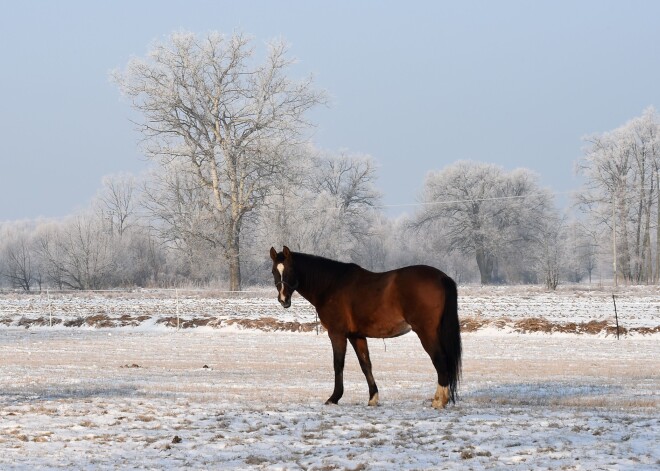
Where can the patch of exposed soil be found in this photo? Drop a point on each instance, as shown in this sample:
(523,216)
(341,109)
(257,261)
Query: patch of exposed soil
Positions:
(271,324)
(538,324)
(181,323)
(39,321)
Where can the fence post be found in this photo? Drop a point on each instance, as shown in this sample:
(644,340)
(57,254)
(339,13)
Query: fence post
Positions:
(50,309)
(176,296)
(616,317)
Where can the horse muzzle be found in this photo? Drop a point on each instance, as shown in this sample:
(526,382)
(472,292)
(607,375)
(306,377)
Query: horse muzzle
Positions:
(285,291)
(286,303)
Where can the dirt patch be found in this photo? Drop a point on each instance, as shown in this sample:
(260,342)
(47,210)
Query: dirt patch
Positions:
(96,320)
(271,324)
(267,324)
(39,321)
(182,323)
(127,320)
(77,322)
(536,324)
(541,325)
(648,330)
(100,320)
(472,325)
(533,324)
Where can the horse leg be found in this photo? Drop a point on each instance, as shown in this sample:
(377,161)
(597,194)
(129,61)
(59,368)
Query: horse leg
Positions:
(431,344)
(338,355)
(362,351)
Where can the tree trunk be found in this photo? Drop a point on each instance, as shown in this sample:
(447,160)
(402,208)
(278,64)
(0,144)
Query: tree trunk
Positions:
(235,271)
(647,263)
(485,264)
(622,241)
(638,249)
(657,230)
(233,255)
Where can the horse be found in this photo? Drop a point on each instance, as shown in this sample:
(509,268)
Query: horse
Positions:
(354,304)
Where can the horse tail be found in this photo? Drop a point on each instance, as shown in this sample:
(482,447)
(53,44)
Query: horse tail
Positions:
(450,336)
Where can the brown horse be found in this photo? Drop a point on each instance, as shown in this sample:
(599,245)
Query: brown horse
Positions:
(353,304)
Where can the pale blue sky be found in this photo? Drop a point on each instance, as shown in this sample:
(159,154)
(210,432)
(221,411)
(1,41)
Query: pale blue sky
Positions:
(415,84)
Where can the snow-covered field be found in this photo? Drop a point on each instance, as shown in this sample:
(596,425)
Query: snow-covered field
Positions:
(506,308)
(225,397)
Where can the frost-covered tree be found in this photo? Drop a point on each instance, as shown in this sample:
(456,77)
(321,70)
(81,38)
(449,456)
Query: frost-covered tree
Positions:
(348,177)
(492,215)
(344,185)
(621,170)
(550,256)
(329,208)
(49,253)
(78,253)
(180,218)
(117,201)
(140,259)
(412,244)
(583,251)
(207,102)
(20,265)
(373,251)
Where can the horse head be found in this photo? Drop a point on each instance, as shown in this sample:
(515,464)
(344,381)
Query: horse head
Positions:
(284,273)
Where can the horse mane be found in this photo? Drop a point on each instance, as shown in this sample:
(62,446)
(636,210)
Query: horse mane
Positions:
(318,272)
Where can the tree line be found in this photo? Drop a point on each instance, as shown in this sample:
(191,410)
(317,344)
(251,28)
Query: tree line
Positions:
(235,173)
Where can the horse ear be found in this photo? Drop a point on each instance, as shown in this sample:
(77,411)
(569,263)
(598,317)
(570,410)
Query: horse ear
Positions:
(286,251)
(273,253)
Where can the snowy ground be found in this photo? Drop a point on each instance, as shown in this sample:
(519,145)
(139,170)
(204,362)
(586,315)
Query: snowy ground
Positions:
(153,397)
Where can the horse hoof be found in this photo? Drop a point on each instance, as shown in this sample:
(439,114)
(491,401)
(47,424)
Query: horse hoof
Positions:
(330,402)
(374,400)
(438,404)
(441,397)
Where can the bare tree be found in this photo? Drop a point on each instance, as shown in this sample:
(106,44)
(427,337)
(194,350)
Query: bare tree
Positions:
(183,221)
(485,212)
(349,177)
(550,256)
(79,254)
(118,201)
(330,208)
(203,101)
(581,252)
(344,183)
(49,252)
(20,264)
(621,173)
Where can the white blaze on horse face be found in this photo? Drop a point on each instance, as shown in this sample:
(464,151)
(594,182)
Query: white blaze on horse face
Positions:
(280,268)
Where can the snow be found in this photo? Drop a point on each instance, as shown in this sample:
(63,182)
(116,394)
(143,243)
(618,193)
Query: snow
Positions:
(636,306)
(153,397)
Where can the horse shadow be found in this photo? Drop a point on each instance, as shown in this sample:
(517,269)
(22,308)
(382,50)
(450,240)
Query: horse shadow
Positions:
(58,393)
(544,393)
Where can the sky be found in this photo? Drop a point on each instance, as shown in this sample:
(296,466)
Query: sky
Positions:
(417,85)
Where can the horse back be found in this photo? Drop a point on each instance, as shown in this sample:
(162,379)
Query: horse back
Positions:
(389,304)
